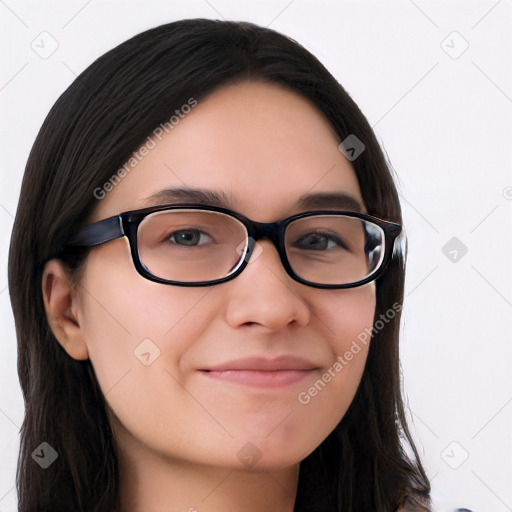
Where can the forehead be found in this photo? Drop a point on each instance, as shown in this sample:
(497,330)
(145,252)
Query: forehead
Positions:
(260,146)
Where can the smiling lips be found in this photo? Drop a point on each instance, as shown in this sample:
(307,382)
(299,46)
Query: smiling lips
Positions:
(260,372)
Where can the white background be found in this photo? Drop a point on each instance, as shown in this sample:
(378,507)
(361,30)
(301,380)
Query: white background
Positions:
(444,118)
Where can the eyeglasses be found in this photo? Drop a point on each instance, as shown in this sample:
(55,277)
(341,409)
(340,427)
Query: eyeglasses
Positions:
(190,244)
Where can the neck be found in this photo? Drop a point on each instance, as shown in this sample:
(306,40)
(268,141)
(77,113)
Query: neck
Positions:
(150,483)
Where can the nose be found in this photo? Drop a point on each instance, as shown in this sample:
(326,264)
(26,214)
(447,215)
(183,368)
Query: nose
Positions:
(263,294)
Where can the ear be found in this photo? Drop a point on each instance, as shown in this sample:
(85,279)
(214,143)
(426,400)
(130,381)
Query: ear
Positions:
(61,305)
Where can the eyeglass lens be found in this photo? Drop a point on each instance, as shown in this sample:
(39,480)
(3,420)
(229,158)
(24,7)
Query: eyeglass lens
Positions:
(190,245)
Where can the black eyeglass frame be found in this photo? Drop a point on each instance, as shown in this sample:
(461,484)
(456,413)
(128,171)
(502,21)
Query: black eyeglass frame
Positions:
(127,224)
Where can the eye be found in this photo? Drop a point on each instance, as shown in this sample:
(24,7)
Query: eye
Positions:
(320,241)
(189,237)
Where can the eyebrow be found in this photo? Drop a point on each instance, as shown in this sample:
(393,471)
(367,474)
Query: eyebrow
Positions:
(316,201)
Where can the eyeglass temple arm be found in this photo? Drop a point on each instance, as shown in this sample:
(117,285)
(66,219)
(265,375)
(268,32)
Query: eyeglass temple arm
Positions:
(99,233)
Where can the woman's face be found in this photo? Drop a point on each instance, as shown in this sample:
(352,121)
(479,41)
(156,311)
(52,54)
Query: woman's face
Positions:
(151,345)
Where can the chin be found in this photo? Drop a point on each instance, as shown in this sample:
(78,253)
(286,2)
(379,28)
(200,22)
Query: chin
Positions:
(261,455)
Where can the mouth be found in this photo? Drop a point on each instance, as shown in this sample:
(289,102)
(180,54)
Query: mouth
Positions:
(259,372)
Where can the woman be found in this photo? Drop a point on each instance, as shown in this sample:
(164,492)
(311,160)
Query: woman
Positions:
(207,283)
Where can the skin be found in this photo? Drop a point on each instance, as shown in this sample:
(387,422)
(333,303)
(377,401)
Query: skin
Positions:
(180,432)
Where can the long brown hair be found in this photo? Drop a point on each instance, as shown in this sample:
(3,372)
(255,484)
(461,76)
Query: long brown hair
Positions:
(93,128)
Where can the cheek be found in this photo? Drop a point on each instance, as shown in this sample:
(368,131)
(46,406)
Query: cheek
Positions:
(347,317)
(137,333)
(346,314)
(129,322)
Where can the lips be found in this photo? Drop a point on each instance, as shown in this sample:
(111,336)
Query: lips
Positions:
(261,372)
(265,365)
